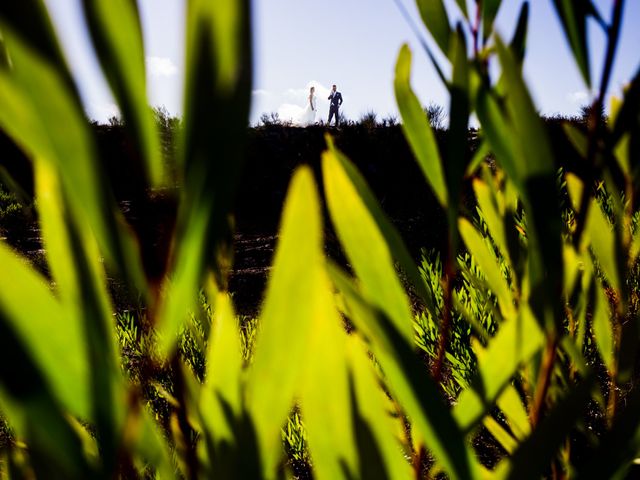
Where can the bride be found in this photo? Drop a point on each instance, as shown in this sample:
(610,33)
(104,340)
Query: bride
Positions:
(308,115)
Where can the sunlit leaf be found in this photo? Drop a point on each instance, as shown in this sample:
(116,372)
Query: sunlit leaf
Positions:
(489,266)
(276,372)
(515,343)
(417,130)
(363,241)
(416,392)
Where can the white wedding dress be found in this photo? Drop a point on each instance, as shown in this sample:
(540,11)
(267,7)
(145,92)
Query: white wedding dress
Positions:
(308,115)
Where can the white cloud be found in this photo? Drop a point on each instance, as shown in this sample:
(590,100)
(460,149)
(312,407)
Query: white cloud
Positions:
(161,67)
(578,97)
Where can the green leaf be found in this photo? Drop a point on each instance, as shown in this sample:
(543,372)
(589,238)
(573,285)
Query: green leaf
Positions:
(371,412)
(488,263)
(515,343)
(519,40)
(500,434)
(511,405)
(536,160)
(535,453)
(271,387)
(325,395)
(417,129)
(489,11)
(222,385)
(364,242)
(492,216)
(52,339)
(458,132)
(117,38)
(601,238)
(602,327)
(40,113)
(434,15)
(573,16)
(55,451)
(416,392)
(218,79)
(30,20)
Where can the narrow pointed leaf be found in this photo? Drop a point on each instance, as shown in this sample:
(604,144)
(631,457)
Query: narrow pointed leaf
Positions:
(434,15)
(417,130)
(117,37)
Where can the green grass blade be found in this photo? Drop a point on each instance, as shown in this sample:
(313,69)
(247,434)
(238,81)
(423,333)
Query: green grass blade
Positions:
(117,37)
(417,130)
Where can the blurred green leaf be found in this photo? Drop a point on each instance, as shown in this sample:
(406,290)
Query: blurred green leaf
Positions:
(543,212)
(573,16)
(511,405)
(457,134)
(276,372)
(40,113)
(53,339)
(519,39)
(325,395)
(30,20)
(488,263)
(373,413)
(417,130)
(117,37)
(434,15)
(363,241)
(54,447)
(601,238)
(534,454)
(218,79)
(489,11)
(416,392)
(602,327)
(515,343)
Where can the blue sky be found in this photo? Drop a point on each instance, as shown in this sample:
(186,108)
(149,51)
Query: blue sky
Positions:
(353,43)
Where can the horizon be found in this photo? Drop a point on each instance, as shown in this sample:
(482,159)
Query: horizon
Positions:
(289,56)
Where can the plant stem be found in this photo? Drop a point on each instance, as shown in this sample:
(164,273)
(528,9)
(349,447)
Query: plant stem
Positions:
(445,326)
(544,379)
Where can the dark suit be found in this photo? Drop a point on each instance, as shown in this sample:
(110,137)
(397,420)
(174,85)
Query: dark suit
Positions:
(334,107)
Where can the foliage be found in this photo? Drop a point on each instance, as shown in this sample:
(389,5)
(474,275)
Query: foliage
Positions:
(551,333)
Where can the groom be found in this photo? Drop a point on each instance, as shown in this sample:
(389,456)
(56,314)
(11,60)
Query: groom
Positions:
(334,108)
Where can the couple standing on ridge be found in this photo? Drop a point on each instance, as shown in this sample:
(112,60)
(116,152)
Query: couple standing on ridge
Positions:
(335,99)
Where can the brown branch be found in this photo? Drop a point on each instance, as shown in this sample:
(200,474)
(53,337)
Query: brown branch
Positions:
(544,380)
